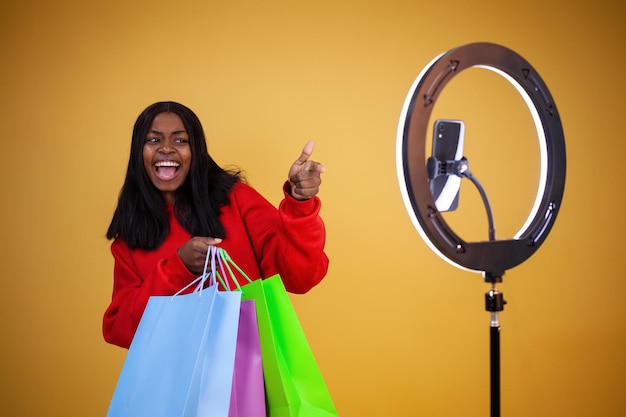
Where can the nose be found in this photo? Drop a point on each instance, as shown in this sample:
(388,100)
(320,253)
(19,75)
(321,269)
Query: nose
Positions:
(166,147)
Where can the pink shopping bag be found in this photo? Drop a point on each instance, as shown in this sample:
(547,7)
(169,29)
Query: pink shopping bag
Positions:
(248,393)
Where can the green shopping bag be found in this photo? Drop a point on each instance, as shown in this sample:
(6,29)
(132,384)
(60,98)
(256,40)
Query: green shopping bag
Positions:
(294,385)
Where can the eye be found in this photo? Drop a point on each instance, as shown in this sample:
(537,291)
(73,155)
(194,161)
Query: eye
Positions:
(152,140)
(181,140)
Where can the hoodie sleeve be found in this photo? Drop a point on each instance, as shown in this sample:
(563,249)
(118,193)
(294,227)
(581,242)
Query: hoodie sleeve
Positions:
(289,240)
(162,273)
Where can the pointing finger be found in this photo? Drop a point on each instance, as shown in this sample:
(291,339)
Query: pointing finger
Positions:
(306,152)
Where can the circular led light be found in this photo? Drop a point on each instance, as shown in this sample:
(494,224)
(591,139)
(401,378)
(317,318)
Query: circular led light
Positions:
(494,256)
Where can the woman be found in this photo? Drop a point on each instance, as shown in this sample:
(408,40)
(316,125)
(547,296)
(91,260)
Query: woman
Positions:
(176,201)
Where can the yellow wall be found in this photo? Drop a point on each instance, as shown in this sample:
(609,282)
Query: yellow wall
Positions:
(397,331)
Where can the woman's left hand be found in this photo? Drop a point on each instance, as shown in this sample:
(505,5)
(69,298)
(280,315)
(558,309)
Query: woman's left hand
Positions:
(304,175)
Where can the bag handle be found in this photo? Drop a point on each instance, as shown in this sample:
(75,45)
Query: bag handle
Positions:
(220,261)
(224,259)
(207,275)
(223,277)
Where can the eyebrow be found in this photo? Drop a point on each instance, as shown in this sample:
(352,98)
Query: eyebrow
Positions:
(158,132)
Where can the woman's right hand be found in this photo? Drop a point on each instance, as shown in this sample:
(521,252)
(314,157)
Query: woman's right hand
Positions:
(193,252)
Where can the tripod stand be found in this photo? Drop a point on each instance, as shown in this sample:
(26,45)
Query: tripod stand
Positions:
(494,303)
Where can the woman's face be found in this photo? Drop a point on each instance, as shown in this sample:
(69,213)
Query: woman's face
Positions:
(167,154)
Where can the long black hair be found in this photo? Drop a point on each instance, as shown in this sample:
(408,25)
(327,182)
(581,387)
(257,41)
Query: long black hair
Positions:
(140,218)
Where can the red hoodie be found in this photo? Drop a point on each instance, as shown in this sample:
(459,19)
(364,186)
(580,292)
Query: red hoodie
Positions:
(261,239)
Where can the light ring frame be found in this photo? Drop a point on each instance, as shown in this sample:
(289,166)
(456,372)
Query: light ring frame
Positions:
(492,257)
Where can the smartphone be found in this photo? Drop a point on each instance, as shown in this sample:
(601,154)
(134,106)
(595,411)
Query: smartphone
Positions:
(448,136)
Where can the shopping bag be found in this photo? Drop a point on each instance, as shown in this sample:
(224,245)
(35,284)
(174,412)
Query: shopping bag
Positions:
(248,389)
(293,382)
(182,352)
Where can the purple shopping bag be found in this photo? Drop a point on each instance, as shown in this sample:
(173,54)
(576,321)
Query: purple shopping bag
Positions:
(248,392)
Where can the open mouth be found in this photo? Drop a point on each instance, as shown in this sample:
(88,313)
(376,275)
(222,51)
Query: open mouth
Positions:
(166,170)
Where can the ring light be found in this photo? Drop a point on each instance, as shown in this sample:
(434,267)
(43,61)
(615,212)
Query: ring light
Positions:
(491,257)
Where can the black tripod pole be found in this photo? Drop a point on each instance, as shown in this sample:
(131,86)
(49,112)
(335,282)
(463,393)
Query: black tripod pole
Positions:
(494,303)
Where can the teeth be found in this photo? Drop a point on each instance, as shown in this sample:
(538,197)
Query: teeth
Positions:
(167,164)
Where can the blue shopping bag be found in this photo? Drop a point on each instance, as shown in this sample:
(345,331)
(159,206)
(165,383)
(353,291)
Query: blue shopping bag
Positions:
(181,360)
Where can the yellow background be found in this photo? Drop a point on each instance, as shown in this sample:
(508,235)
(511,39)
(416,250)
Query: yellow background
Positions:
(396,330)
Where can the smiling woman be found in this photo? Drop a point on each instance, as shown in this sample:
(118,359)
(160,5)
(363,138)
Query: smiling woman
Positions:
(176,201)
